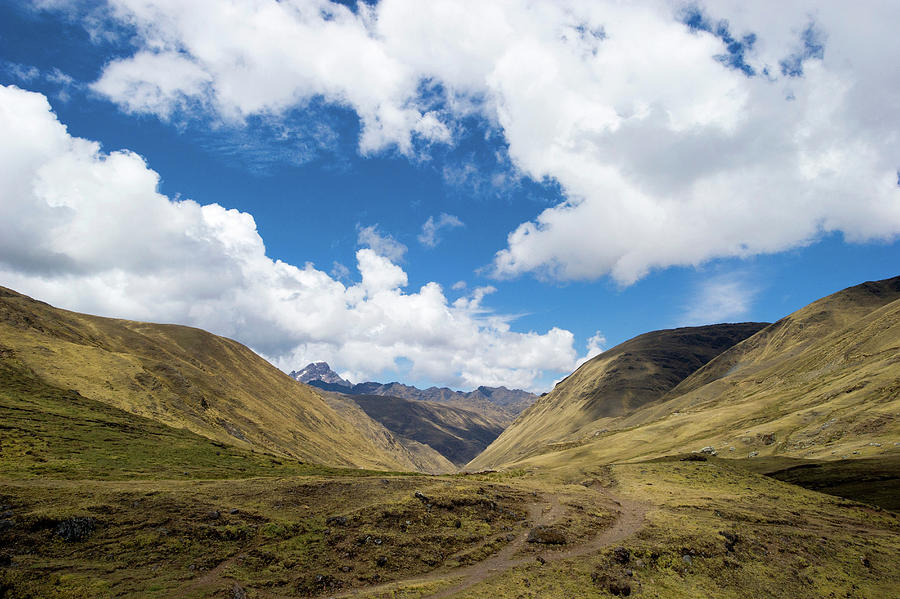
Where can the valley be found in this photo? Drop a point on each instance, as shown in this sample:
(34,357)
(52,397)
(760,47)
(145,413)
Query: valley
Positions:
(141,460)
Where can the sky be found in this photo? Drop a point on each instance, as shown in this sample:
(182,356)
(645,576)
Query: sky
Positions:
(450,192)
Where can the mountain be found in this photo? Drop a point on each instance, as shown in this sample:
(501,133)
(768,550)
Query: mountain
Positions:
(499,404)
(319,371)
(443,429)
(614,383)
(821,383)
(186,378)
(421,456)
(455,433)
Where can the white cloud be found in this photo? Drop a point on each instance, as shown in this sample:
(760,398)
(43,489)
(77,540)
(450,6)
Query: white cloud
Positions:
(21,72)
(429,236)
(88,231)
(596,345)
(154,82)
(381,244)
(667,156)
(339,271)
(722,298)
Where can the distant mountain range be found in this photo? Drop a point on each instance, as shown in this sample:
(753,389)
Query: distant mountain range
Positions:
(499,403)
(456,424)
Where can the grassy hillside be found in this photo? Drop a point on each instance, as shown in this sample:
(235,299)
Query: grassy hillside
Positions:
(184,378)
(832,393)
(457,434)
(48,432)
(666,528)
(615,383)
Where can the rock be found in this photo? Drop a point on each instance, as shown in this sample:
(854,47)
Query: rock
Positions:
(639,563)
(345,569)
(767,438)
(709,450)
(687,559)
(76,529)
(213,514)
(381,561)
(422,497)
(731,449)
(752,454)
(337,520)
(233,511)
(875,444)
(621,555)
(510,537)
(694,457)
(614,585)
(377,541)
(237,592)
(731,540)
(546,535)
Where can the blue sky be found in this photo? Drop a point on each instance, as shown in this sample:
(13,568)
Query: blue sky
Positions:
(647,188)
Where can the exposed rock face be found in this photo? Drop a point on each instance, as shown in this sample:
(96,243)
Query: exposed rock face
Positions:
(319,371)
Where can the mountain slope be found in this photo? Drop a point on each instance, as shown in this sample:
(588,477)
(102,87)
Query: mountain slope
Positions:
(822,383)
(615,383)
(48,432)
(457,434)
(184,378)
(421,456)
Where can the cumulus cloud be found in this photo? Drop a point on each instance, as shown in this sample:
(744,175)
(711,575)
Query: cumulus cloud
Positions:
(429,237)
(381,243)
(678,131)
(89,231)
(596,345)
(722,298)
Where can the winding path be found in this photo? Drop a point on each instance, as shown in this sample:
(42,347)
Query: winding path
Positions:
(630,520)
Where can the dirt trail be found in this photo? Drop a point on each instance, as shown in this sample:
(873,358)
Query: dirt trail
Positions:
(630,519)
(208,578)
(545,511)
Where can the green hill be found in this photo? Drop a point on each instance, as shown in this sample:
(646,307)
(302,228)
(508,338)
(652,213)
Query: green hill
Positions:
(615,383)
(185,378)
(822,383)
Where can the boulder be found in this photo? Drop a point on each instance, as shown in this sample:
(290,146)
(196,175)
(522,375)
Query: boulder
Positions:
(546,535)
(75,529)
